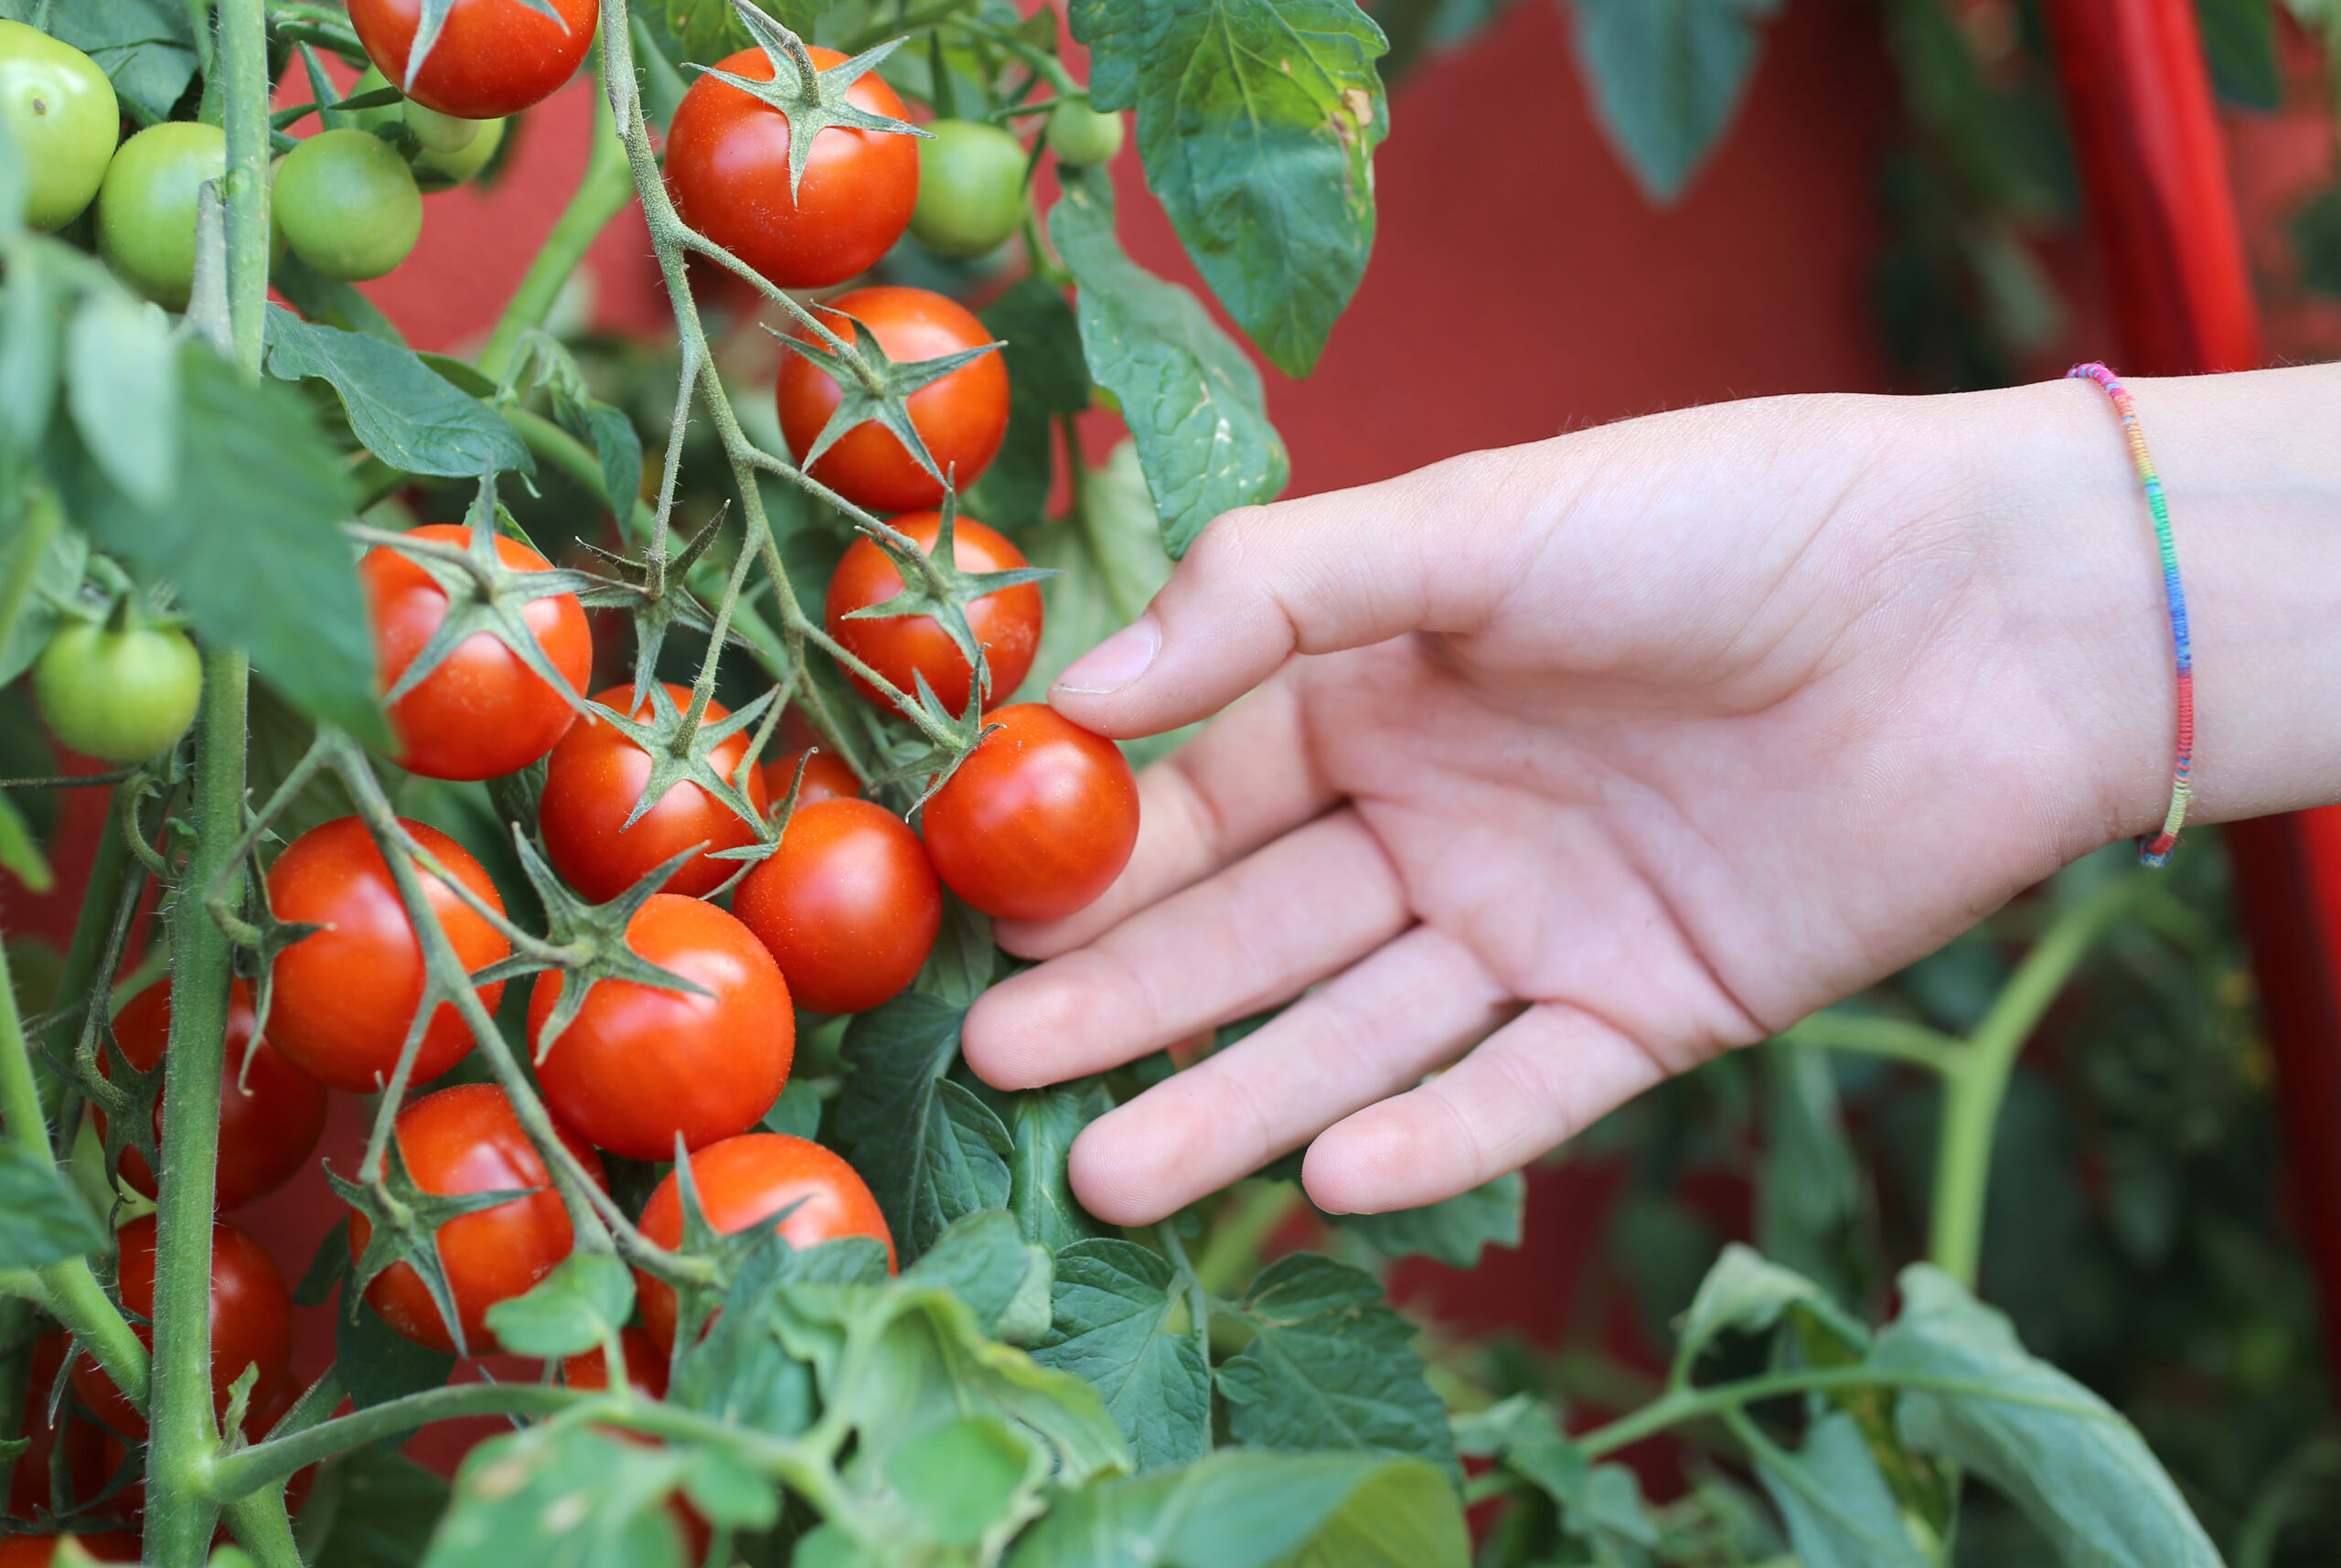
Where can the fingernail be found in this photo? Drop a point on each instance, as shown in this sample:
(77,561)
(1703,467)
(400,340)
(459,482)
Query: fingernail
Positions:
(1116,662)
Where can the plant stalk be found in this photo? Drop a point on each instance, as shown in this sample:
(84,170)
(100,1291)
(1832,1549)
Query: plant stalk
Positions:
(243,76)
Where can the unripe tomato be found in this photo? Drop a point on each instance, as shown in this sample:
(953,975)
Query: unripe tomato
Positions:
(727,168)
(1038,821)
(828,776)
(639,1064)
(493,58)
(755,1177)
(1007,624)
(119,693)
(460,1140)
(347,204)
(482,712)
(62,114)
(962,418)
(435,168)
(146,207)
(252,1321)
(593,779)
(270,1112)
(437,171)
(1080,134)
(848,906)
(971,187)
(345,996)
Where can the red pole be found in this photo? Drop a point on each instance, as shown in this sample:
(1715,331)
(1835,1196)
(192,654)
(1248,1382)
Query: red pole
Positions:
(2153,165)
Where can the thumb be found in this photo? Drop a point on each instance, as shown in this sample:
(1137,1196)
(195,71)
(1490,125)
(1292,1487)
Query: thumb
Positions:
(1315,575)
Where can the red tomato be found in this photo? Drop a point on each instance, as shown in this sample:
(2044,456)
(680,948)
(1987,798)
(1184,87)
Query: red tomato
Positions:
(466,1139)
(29,1482)
(481,712)
(639,1064)
(592,782)
(826,777)
(1038,821)
(493,58)
(902,647)
(645,1366)
(727,168)
(252,1320)
(848,906)
(742,1180)
(962,418)
(346,995)
(268,1127)
(40,1550)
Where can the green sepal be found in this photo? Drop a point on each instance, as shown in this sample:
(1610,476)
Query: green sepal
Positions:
(677,742)
(810,100)
(654,600)
(935,586)
(406,1221)
(872,387)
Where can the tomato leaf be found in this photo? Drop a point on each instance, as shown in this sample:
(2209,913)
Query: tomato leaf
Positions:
(1665,77)
(1747,1293)
(2075,1466)
(30,330)
(122,384)
(587,1295)
(575,1495)
(1256,121)
(1042,1124)
(1117,1325)
(1839,1510)
(739,1371)
(1453,1231)
(1047,378)
(1193,403)
(146,48)
(1250,1509)
(708,30)
(982,1260)
(329,301)
(377,1511)
(1600,1504)
(400,410)
(380,1364)
(1331,1366)
(43,1218)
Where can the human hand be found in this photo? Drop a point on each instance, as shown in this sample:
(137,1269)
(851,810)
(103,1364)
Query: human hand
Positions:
(1596,757)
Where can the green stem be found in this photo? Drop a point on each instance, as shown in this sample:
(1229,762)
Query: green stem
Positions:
(1698,1404)
(601,194)
(243,81)
(1243,1227)
(15,1372)
(1865,1034)
(273,1461)
(263,1527)
(20,1108)
(184,1437)
(71,1295)
(110,874)
(1198,1298)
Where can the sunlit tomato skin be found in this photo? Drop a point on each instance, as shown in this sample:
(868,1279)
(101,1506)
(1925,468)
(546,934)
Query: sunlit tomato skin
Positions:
(826,777)
(962,418)
(252,1320)
(727,168)
(482,712)
(639,1064)
(848,906)
(1038,821)
(593,779)
(269,1123)
(904,648)
(493,58)
(742,1180)
(346,995)
(466,1139)
(84,1444)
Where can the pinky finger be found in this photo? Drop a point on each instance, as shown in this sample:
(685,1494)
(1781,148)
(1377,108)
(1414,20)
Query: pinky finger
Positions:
(1527,1088)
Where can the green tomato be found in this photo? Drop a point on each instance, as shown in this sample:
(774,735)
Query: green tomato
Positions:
(1079,135)
(453,150)
(146,207)
(118,693)
(971,187)
(348,204)
(436,171)
(60,112)
(378,120)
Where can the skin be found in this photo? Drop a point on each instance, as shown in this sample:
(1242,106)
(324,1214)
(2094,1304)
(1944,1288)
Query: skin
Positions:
(1569,766)
(252,1320)
(826,777)
(146,207)
(848,906)
(1007,624)
(971,187)
(120,695)
(1038,821)
(493,58)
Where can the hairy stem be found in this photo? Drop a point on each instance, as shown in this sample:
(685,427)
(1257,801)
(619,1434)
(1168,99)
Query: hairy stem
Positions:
(242,77)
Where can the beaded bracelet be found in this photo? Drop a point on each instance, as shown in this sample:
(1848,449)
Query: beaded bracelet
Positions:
(2156,850)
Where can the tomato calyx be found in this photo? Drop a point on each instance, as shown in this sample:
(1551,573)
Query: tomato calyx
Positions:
(654,595)
(435,18)
(756,1254)
(406,1221)
(810,99)
(935,586)
(872,387)
(678,742)
(126,1097)
(590,939)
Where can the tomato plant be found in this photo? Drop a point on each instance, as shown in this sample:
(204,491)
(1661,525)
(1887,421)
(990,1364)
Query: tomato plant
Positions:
(347,204)
(828,776)
(1006,623)
(251,1316)
(848,906)
(970,189)
(1080,135)
(62,114)
(491,58)
(146,207)
(1038,821)
(120,691)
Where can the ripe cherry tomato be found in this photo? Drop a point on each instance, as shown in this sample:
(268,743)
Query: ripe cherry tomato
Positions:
(1080,135)
(592,782)
(971,187)
(84,1444)
(493,57)
(639,1064)
(902,647)
(645,1366)
(62,115)
(268,1126)
(482,712)
(848,906)
(727,168)
(146,207)
(962,418)
(252,1320)
(347,204)
(345,996)
(121,693)
(742,1180)
(1038,821)
(40,1551)
(826,777)
(466,1139)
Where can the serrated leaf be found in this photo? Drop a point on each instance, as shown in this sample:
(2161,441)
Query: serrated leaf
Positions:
(1838,1508)
(1115,1325)
(982,1260)
(1192,401)
(146,48)
(571,1494)
(931,1151)
(1601,1504)
(1256,121)
(43,1217)
(1331,1366)
(1042,1124)
(1665,77)
(1047,380)
(1453,1231)
(1746,1292)
(400,409)
(122,384)
(1808,1179)
(587,1297)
